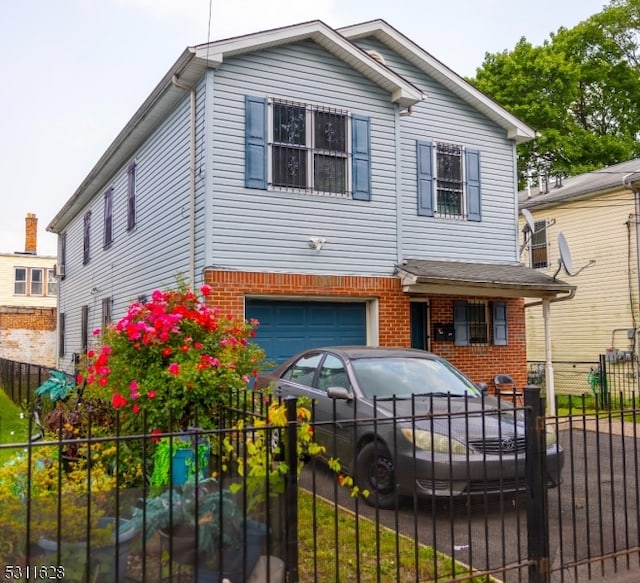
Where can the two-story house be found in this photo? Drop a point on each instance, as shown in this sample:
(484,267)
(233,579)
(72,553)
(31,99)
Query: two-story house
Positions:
(597,214)
(28,297)
(339,186)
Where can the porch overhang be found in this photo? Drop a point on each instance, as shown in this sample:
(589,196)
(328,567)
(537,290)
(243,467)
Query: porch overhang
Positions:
(504,280)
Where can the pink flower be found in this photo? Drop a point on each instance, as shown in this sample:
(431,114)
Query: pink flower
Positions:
(97,332)
(136,408)
(174,368)
(133,386)
(205,290)
(151,394)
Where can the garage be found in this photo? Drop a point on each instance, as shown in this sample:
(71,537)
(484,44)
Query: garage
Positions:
(288,327)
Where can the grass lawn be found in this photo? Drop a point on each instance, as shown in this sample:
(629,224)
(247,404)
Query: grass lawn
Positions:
(14,427)
(375,554)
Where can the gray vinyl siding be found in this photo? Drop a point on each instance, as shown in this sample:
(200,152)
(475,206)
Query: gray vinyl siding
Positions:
(361,235)
(445,117)
(144,259)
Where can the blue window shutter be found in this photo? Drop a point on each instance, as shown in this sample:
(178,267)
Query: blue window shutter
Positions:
(361,157)
(424,156)
(500,323)
(255,161)
(460,323)
(473,184)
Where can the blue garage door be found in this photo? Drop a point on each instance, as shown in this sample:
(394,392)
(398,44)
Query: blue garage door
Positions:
(287,328)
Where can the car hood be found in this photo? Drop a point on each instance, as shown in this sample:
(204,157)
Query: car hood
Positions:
(471,418)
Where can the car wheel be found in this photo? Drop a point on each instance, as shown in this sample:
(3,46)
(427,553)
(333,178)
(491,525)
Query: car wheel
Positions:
(376,473)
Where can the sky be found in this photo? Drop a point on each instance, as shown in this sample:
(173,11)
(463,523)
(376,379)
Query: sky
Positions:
(75,71)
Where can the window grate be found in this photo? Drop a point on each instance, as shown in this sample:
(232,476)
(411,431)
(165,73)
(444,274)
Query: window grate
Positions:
(310,148)
(449,181)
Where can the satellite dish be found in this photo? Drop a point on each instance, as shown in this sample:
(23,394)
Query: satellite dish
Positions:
(565,254)
(565,258)
(526,213)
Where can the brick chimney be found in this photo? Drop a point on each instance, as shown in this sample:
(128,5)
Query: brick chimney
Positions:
(31,234)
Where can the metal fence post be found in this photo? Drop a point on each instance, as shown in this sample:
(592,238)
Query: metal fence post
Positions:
(291,492)
(536,476)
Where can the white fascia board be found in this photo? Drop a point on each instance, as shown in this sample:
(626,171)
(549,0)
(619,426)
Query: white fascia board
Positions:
(400,90)
(516,129)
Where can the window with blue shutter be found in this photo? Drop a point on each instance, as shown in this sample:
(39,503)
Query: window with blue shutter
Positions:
(448,181)
(471,323)
(306,148)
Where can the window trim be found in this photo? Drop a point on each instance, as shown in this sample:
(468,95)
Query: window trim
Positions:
(427,181)
(84,328)
(32,271)
(310,148)
(86,238)
(536,245)
(131,196)
(107,239)
(23,282)
(61,334)
(52,283)
(497,323)
(257,161)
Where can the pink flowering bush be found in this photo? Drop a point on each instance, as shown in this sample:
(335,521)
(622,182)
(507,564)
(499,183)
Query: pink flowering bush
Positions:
(170,359)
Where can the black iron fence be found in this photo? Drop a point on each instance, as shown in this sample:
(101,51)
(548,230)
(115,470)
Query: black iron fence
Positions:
(609,380)
(102,507)
(20,379)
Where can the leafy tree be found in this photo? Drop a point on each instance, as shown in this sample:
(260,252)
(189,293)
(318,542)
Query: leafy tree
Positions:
(579,90)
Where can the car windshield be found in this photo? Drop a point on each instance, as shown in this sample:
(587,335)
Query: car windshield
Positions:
(403,377)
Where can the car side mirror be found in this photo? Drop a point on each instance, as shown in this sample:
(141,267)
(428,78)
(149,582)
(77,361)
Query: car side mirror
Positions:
(482,386)
(338,393)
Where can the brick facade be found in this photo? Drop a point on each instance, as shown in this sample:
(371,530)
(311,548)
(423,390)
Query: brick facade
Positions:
(28,334)
(480,362)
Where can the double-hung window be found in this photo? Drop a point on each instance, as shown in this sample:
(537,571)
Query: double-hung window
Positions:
(86,238)
(448,181)
(20,281)
(29,281)
(37,282)
(538,245)
(131,196)
(292,146)
(52,283)
(309,148)
(108,218)
(480,322)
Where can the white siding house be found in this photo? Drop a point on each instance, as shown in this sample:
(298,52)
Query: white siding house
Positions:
(342,186)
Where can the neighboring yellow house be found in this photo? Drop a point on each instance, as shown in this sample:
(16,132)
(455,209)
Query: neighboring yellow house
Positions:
(597,214)
(28,299)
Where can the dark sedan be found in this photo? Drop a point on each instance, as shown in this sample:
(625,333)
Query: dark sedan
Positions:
(403,421)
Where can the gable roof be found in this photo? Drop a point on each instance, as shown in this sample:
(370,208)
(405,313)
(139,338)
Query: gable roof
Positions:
(608,179)
(191,66)
(401,91)
(385,33)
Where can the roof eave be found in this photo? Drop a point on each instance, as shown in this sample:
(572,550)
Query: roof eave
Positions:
(161,100)
(516,129)
(412,283)
(401,91)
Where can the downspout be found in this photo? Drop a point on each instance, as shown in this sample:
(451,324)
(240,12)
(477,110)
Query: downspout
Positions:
(192,180)
(399,230)
(548,363)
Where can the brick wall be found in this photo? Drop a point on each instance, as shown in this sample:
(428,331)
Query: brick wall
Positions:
(28,334)
(481,363)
